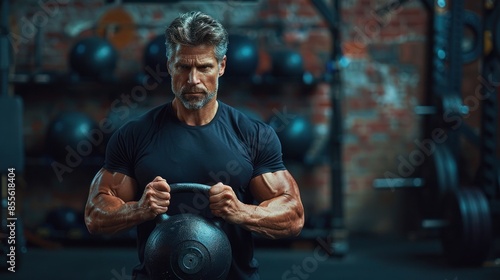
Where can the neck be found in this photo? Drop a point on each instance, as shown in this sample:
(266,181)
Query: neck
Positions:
(195,117)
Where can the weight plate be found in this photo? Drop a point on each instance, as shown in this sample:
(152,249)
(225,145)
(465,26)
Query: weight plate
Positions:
(445,175)
(472,48)
(468,238)
(118,26)
(440,173)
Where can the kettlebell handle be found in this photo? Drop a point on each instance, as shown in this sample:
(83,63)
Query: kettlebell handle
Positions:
(184,188)
(189,187)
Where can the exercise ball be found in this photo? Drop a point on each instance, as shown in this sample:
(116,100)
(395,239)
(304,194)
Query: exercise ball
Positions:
(296,135)
(72,136)
(242,56)
(155,54)
(93,57)
(287,63)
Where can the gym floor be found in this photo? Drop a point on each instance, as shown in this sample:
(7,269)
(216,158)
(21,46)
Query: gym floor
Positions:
(373,258)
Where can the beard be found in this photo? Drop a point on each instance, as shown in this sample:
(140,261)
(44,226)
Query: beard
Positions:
(191,102)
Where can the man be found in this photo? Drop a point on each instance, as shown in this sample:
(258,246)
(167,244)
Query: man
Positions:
(196,138)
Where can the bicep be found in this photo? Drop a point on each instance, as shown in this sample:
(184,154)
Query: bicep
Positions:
(114,184)
(274,184)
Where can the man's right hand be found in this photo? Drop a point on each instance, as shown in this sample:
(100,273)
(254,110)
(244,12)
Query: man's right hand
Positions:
(156,198)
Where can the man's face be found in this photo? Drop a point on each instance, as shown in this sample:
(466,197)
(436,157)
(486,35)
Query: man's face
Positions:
(195,75)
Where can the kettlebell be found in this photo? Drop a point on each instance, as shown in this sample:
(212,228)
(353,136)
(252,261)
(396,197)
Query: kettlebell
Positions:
(187,246)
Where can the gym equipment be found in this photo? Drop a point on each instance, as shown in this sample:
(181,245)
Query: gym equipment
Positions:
(186,245)
(287,63)
(70,133)
(338,234)
(93,57)
(296,135)
(439,174)
(472,42)
(155,54)
(242,56)
(467,238)
(488,144)
(117,26)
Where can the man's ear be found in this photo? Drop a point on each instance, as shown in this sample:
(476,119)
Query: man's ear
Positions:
(222,66)
(168,67)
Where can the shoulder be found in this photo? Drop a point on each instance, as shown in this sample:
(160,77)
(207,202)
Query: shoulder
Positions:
(143,125)
(239,118)
(246,127)
(152,117)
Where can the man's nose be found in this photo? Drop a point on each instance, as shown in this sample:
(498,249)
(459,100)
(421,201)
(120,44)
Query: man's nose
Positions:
(193,76)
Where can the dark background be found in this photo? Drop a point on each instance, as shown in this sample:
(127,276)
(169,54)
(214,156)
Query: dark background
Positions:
(384,76)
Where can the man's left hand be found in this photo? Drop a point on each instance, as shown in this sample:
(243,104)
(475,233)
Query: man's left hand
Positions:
(224,203)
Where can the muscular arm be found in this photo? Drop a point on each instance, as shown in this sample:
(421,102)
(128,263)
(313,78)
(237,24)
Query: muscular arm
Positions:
(280,212)
(110,207)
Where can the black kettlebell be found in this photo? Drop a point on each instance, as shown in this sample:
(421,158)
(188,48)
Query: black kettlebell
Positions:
(187,246)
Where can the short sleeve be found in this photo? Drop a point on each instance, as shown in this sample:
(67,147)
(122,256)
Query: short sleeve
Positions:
(267,152)
(118,157)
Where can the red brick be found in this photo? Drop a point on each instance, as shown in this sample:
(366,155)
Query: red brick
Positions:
(307,11)
(378,127)
(354,49)
(319,39)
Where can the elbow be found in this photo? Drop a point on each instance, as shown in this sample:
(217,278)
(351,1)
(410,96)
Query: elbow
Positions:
(297,227)
(294,225)
(91,225)
(92,221)
(298,222)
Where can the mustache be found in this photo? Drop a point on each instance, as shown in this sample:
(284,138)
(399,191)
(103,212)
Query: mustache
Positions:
(193,89)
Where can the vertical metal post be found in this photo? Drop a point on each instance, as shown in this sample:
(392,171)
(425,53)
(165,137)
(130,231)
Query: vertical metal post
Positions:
(455,66)
(338,235)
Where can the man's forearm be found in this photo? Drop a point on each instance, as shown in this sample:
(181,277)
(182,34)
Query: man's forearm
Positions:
(113,218)
(276,218)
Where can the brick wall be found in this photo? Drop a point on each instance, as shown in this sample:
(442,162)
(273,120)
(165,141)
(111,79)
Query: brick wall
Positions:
(383,81)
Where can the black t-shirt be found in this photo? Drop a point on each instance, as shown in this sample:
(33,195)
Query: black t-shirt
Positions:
(231,149)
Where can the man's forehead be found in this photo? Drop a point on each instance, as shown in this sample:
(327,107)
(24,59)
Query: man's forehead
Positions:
(201,52)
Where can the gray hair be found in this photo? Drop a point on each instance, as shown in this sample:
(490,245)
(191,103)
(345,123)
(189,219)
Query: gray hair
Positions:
(194,29)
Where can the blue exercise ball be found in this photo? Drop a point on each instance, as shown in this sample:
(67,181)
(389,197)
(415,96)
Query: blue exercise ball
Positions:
(155,54)
(73,133)
(93,57)
(242,56)
(296,134)
(287,63)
